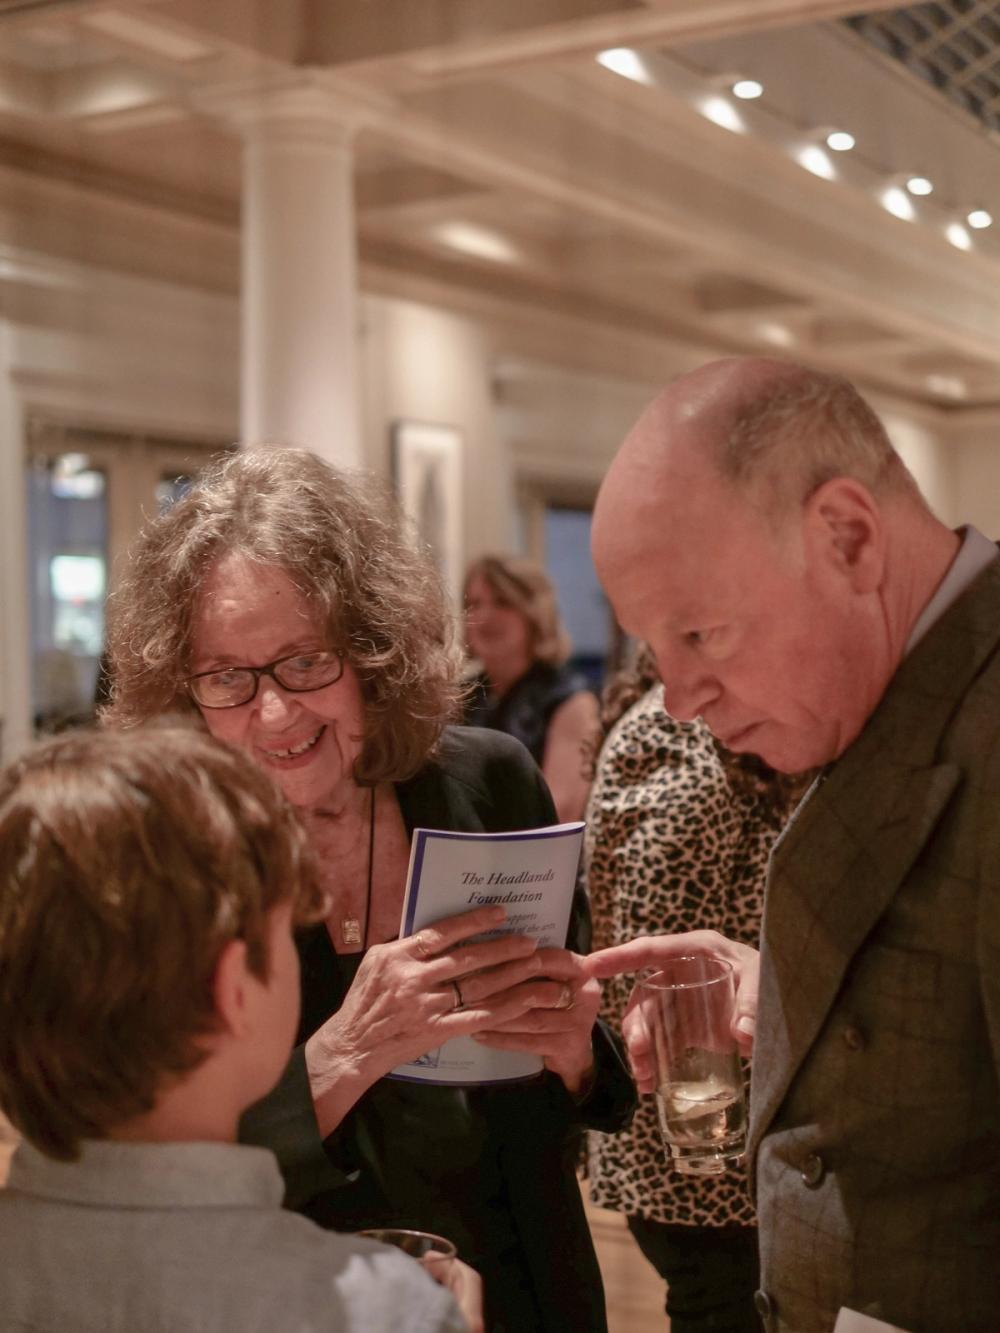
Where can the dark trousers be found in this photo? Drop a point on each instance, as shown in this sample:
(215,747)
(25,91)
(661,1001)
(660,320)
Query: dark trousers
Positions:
(711,1274)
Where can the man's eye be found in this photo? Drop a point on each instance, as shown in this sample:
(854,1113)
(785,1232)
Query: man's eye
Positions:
(715,639)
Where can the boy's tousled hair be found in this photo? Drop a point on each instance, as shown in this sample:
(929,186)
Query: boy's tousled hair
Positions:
(128,860)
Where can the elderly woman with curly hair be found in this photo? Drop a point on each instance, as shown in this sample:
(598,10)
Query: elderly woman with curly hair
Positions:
(283,603)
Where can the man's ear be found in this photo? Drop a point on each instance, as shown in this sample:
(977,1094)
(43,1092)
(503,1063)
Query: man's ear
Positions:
(846,528)
(231,989)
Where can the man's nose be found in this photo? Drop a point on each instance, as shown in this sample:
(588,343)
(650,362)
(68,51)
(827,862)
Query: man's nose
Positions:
(688,688)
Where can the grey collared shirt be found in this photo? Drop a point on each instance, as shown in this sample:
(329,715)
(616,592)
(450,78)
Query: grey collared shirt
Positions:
(975,553)
(190,1238)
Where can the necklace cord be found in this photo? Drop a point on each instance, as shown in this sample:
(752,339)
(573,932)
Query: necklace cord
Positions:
(371,860)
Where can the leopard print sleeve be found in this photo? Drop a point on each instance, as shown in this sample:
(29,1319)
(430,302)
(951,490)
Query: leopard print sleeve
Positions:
(670,846)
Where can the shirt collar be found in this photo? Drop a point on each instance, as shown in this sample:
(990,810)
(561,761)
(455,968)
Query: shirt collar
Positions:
(151,1175)
(975,553)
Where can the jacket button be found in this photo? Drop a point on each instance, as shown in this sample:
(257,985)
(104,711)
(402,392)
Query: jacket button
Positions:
(813,1171)
(854,1038)
(763,1304)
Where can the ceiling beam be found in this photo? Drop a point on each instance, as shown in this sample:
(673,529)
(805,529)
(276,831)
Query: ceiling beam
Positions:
(663,23)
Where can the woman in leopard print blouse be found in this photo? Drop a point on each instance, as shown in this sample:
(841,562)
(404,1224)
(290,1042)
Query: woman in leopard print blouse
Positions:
(678,836)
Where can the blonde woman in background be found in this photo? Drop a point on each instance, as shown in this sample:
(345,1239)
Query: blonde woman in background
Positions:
(525,687)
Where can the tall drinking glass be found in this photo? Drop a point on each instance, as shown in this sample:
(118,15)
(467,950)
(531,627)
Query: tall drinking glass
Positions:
(687,1005)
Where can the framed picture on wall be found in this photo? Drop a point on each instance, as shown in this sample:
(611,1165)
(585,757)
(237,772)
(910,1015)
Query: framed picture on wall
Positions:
(427,471)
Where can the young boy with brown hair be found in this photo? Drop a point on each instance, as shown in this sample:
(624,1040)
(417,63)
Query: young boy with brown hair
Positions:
(149,881)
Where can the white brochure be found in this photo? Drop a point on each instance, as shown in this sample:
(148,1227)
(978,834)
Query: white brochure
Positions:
(532,874)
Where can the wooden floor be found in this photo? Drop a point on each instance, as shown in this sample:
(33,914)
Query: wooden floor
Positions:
(633,1290)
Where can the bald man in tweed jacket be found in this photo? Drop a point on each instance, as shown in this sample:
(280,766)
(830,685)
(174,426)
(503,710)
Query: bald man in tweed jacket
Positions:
(801,597)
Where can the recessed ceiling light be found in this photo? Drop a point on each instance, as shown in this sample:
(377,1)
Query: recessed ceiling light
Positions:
(747,89)
(897,202)
(919,185)
(815,160)
(979,218)
(840,141)
(626,62)
(958,236)
(721,112)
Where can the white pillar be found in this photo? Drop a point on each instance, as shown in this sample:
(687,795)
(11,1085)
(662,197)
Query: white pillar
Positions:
(299,373)
(15,629)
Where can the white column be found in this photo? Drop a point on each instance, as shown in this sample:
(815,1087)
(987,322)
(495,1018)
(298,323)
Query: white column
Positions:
(300,377)
(15,632)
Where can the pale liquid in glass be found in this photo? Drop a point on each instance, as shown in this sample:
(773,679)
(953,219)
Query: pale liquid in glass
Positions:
(703,1123)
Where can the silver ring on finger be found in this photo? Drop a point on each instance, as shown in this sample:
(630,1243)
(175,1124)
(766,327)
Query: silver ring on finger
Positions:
(459,1002)
(567,997)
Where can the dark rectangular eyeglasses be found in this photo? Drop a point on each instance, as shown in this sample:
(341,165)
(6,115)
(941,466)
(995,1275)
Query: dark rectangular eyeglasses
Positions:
(229,687)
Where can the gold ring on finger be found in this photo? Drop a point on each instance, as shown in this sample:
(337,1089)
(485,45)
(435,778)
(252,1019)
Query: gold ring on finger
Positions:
(420,942)
(567,998)
(459,1002)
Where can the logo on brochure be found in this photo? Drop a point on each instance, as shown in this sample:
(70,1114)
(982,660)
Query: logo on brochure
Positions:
(429,1061)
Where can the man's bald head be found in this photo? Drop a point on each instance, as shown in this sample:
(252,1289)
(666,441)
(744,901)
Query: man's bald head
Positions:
(745,529)
(772,429)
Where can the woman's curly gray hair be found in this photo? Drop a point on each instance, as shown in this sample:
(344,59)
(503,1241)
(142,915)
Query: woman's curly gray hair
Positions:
(344,543)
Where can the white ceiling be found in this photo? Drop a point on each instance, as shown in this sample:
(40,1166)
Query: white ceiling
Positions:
(498,156)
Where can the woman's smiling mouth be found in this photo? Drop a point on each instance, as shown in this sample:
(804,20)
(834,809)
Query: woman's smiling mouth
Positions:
(293,751)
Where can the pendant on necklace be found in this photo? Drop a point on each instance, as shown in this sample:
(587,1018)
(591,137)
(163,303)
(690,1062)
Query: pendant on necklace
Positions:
(350,930)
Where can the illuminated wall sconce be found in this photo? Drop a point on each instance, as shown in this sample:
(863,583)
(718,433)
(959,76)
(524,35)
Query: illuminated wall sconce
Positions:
(979,218)
(919,185)
(626,62)
(479,242)
(778,335)
(897,202)
(817,160)
(958,236)
(950,385)
(720,111)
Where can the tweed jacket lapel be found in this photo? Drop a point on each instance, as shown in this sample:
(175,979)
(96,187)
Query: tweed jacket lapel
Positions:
(852,842)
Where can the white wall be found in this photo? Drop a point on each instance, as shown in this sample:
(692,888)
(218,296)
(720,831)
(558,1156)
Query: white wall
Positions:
(924,442)
(977,453)
(424,363)
(561,425)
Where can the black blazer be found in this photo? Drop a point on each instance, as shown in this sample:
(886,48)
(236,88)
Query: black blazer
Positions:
(491,1168)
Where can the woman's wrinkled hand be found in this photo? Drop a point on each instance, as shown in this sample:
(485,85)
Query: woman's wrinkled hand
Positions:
(559,1024)
(413,994)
